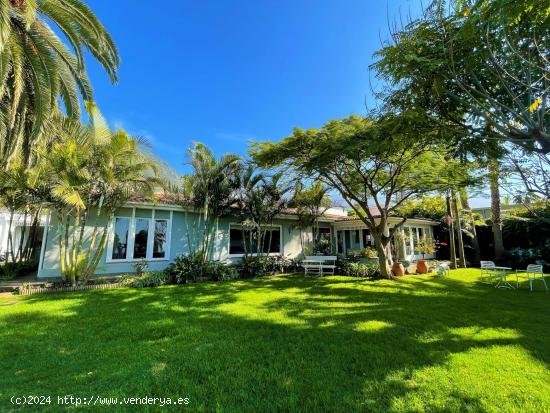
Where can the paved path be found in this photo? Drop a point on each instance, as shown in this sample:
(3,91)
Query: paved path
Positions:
(11,285)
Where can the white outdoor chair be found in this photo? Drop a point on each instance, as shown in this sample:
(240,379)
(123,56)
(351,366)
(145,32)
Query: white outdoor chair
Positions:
(319,264)
(487,271)
(532,273)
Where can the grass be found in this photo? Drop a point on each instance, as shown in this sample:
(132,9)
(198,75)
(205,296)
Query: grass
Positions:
(286,343)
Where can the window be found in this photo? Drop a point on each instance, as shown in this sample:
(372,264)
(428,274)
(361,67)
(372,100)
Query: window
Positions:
(366,238)
(120,241)
(407,240)
(347,238)
(140,238)
(159,240)
(415,239)
(271,242)
(322,233)
(357,236)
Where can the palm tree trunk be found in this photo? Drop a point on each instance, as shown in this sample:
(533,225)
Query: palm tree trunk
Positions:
(496,216)
(456,212)
(475,240)
(10,239)
(450,222)
(22,238)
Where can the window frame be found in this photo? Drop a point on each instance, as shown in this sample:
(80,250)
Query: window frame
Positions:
(132,236)
(238,226)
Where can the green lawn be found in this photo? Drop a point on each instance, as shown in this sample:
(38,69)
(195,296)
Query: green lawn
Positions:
(286,343)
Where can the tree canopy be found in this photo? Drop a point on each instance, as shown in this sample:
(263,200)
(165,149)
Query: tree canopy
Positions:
(37,68)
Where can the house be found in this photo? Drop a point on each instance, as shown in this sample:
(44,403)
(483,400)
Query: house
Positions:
(159,231)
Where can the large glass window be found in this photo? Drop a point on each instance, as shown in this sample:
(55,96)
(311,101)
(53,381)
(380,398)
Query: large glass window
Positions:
(159,240)
(140,238)
(120,241)
(239,239)
(415,239)
(322,233)
(407,240)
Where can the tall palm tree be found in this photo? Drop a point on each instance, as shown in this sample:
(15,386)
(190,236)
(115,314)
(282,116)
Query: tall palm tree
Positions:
(37,67)
(496,215)
(208,189)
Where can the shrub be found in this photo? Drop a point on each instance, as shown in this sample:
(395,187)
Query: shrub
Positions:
(187,268)
(323,246)
(140,267)
(520,258)
(255,266)
(218,271)
(146,279)
(10,270)
(353,268)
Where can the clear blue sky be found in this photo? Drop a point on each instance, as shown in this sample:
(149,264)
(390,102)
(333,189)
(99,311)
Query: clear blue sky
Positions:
(226,72)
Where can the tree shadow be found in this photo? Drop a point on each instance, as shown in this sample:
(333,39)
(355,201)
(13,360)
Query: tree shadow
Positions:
(285,343)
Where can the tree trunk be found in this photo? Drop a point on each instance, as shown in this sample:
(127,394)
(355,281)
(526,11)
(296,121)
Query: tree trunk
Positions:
(456,213)
(382,255)
(450,222)
(496,217)
(9,247)
(475,240)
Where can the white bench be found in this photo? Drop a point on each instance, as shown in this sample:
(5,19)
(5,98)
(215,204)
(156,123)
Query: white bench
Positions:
(319,264)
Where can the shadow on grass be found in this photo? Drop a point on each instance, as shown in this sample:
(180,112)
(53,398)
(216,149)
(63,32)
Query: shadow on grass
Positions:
(283,343)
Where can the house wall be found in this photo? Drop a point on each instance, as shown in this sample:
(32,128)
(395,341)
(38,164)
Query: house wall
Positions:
(18,222)
(184,234)
(348,228)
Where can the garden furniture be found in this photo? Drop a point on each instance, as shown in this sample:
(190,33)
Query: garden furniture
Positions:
(317,264)
(532,273)
(487,271)
(502,273)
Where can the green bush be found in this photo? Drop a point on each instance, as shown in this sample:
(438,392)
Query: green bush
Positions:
(189,268)
(147,279)
(255,266)
(140,267)
(520,258)
(353,268)
(10,270)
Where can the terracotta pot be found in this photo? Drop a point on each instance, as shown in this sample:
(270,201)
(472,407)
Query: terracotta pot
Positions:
(397,269)
(421,267)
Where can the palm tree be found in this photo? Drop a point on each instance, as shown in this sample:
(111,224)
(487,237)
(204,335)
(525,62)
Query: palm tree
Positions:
(208,189)
(88,176)
(37,68)
(496,216)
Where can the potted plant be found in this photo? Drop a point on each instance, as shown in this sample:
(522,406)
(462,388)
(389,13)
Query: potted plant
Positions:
(397,269)
(424,246)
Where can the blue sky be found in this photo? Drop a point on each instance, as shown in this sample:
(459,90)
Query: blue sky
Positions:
(226,72)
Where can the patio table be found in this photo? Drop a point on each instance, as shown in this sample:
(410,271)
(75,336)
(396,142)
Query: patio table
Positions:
(502,273)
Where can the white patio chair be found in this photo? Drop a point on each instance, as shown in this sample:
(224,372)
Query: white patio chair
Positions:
(532,273)
(487,271)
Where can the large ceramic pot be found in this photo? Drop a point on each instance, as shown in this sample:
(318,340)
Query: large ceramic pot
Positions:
(421,267)
(397,269)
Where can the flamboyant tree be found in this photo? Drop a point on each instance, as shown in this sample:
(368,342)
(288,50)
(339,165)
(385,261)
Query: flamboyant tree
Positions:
(381,160)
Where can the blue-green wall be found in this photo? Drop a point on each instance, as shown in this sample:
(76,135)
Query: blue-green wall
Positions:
(183,231)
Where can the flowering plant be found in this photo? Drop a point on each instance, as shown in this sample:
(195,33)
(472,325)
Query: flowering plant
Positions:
(425,246)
